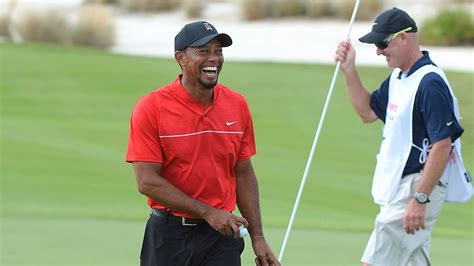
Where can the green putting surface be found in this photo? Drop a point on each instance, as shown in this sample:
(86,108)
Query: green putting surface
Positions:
(68,197)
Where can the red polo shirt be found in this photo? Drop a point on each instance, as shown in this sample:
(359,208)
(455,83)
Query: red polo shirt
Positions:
(197,146)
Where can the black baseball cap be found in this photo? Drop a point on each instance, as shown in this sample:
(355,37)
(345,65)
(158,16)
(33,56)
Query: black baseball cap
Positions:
(197,34)
(389,22)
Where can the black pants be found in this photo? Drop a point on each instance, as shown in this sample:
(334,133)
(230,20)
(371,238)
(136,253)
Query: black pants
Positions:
(168,243)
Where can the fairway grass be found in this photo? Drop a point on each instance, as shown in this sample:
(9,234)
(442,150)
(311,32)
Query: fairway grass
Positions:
(68,197)
(102,242)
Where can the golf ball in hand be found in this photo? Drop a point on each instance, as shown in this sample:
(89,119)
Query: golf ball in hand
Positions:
(243,231)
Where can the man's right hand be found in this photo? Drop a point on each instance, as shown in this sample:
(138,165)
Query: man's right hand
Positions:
(225,222)
(359,95)
(345,54)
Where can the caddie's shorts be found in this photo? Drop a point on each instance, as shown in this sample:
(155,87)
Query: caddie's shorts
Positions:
(389,244)
(171,241)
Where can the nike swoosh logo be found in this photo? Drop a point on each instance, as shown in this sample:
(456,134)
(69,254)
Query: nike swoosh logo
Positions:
(230,123)
(449,123)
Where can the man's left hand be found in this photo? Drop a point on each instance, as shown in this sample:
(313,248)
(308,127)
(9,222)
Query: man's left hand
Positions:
(414,218)
(265,256)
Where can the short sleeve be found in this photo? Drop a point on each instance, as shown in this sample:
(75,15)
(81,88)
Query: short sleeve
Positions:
(247,146)
(143,141)
(379,100)
(436,106)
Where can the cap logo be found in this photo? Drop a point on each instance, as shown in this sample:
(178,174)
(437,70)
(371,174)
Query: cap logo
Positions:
(208,26)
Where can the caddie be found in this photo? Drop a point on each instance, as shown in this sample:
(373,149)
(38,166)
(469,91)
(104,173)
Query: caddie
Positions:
(419,160)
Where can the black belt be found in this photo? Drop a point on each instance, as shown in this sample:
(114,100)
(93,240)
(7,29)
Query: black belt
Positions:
(169,218)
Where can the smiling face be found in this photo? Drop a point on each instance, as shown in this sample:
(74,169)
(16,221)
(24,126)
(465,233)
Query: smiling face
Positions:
(201,65)
(395,52)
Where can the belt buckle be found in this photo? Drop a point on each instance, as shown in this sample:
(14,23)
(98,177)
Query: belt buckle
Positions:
(184,223)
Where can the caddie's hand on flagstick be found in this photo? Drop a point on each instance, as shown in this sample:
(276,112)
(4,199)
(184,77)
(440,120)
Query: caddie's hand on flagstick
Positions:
(345,54)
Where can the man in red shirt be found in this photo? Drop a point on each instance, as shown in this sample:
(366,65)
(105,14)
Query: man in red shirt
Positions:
(190,144)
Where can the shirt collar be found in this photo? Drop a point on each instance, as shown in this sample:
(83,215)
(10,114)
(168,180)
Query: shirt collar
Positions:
(183,94)
(423,61)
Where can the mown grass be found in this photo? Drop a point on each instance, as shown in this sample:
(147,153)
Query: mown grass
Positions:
(64,129)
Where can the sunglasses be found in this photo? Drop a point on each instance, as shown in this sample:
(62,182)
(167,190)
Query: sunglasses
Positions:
(384,43)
